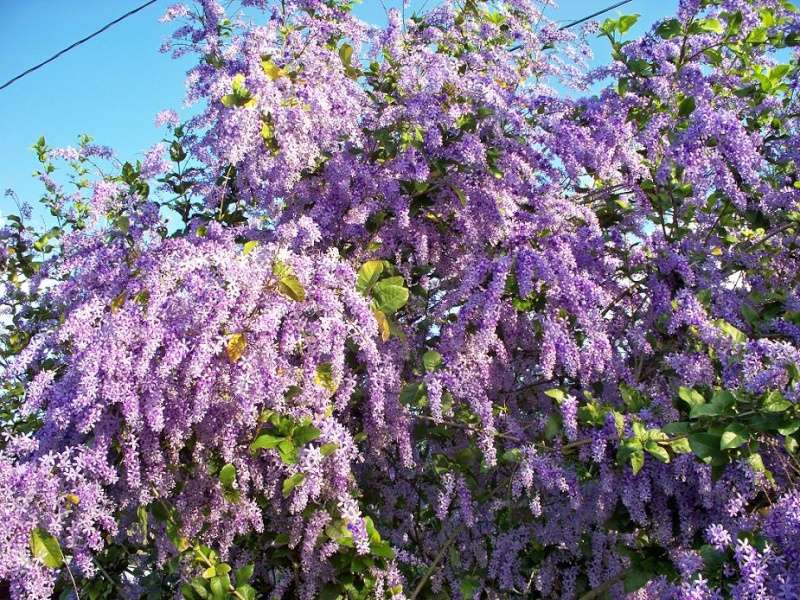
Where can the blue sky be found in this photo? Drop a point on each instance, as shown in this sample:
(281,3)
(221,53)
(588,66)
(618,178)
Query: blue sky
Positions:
(112,86)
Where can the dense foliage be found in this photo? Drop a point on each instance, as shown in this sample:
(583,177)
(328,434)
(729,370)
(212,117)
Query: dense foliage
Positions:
(391,317)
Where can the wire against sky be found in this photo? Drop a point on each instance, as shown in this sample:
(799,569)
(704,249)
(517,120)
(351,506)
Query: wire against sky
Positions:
(146,4)
(78,43)
(593,15)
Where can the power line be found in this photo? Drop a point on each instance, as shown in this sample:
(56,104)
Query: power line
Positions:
(593,15)
(146,4)
(584,19)
(78,43)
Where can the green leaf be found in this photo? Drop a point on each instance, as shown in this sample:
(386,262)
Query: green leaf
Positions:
(218,591)
(756,462)
(511,456)
(331,592)
(237,84)
(556,394)
(669,29)
(305,434)
(705,410)
(625,22)
(209,573)
(711,26)
(249,247)
(324,377)
(241,96)
(265,441)
(734,436)
(288,452)
(678,428)
(390,294)
(775,402)
(372,533)
(686,107)
(637,461)
(789,428)
(412,394)
(680,446)
(468,585)
(632,398)
(123,223)
(724,399)
(462,197)
(767,17)
(176,152)
(328,449)
(636,579)
(553,426)
(691,397)
(705,445)
(722,402)
(732,332)
(199,587)
(778,72)
(143,518)
(368,275)
(382,550)
(432,360)
(657,451)
(292,482)
(734,23)
(243,574)
(247,592)
(46,548)
(757,36)
(227,475)
(339,532)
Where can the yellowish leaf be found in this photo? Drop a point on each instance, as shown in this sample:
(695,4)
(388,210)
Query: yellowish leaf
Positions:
(290,286)
(271,69)
(324,377)
(383,324)
(236,346)
(117,302)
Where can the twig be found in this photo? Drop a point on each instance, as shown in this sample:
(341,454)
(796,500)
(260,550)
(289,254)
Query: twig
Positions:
(436,560)
(602,589)
(72,579)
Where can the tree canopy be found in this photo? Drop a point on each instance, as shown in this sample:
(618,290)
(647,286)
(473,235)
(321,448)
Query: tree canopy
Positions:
(394,316)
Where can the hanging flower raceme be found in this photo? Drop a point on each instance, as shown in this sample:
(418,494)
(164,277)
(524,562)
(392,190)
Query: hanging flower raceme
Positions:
(398,318)
(199,372)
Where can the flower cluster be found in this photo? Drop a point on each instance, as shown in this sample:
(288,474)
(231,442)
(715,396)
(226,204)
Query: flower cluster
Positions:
(391,317)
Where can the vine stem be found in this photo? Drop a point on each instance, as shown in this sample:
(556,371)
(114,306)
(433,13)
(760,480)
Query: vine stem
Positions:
(436,560)
(564,449)
(72,579)
(602,589)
